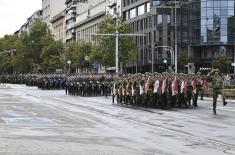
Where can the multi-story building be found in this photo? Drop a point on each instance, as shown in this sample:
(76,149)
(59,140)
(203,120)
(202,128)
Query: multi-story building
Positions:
(114,7)
(210,29)
(205,29)
(73,9)
(26,27)
(51,8)
(136,14)
(59,26)
(88,21)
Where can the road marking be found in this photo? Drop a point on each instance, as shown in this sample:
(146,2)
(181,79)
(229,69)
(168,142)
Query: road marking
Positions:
(223,109)
(220,144)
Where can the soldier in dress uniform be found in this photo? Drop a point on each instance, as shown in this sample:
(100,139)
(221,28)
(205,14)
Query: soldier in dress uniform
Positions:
(199,87)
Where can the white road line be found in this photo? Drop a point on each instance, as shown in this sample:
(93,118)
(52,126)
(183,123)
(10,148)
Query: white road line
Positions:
(181,134)
(223,109)
(178,114)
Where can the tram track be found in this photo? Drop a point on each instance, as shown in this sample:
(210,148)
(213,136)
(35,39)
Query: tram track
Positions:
(226,147)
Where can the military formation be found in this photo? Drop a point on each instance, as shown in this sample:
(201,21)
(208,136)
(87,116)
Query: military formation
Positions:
(156,90)
(159,90)
(89,85)
(42,81)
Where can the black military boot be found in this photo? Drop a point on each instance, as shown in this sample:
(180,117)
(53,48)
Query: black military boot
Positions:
(214,110)
(224,102)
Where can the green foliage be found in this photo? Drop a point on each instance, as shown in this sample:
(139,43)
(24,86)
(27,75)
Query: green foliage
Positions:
(34,49)
(221,62)
(229,87)
(76,52)
(51,54)
(6,43)
(183,59)
(105,51)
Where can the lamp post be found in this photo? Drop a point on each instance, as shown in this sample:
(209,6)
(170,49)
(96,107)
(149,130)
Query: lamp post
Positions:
(69,63)
(169,48)
(176,5)
(234,58)
(176,40)
(165,62)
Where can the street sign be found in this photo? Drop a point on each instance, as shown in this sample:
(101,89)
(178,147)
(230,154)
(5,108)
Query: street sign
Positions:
(87,58)
(233,64)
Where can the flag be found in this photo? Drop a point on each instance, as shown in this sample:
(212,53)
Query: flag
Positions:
(141,89)
(194,86)
(182,87)
(186,85)
(164,86)
(127,87)
(175,89)
(156,86)
(147,85)
(205,84)
(114,90)
(132,91)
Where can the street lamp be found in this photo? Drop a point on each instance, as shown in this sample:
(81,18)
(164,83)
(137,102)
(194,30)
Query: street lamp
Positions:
(69,63)
(177,4)
(169,48)
(165,62)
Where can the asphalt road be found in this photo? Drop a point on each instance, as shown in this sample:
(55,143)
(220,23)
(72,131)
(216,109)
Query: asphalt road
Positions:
(39,122)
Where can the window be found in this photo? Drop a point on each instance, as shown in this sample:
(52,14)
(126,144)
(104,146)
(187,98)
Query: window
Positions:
(133,13)
(148,7)
(159,19)
(141,10)
(168,19)
(156,2)
(126,14)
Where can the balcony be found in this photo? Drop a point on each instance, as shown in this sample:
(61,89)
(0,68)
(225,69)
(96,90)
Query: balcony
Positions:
(71,15)
(69,36)
(70,25)
(112,3)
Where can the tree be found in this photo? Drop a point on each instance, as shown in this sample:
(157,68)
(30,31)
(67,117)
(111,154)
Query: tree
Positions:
(221,62)
(38,32)
(71,53)
(76,52)
(106,48)
(51,54)
(8,42)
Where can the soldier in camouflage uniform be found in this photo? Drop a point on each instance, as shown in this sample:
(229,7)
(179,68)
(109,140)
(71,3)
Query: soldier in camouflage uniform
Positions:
(217,84)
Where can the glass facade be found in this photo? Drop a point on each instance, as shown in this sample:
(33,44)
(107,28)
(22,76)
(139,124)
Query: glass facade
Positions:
(210,21)
(216,19)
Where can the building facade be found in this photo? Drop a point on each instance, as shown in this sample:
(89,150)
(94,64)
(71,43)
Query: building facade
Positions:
(26,27)
(88,22)
(204,29)
(73,9)
(136,13)
(59,27)
(51,8)
(114,7)
(211,29)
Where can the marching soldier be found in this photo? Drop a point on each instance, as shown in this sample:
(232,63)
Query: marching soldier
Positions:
(217,85)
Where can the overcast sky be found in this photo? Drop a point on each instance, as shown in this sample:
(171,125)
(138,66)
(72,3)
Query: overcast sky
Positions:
(14,13)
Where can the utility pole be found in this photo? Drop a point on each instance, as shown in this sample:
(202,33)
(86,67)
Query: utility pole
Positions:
(176,40)
(234,58)
(117,34)
(116,49)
